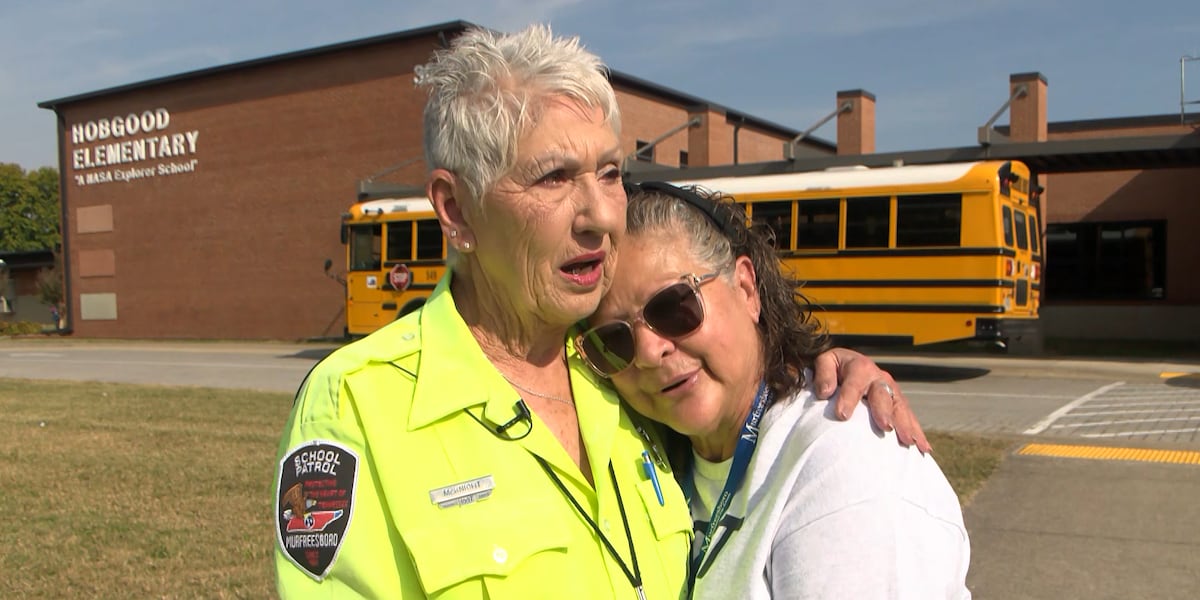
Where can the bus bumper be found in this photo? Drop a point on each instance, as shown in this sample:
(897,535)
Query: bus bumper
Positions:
(1025,334)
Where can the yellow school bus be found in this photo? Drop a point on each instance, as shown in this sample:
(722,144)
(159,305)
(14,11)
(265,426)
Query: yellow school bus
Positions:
(906,255)
(395,255)
(899,255)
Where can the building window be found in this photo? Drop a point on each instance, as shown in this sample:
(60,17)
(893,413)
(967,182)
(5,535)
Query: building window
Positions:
(1119,260)
(929,220)
(648,155)
(683,159)
(867,222)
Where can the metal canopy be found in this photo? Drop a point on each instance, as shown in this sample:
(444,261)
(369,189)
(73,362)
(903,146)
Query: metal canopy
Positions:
(1106,154)
(1058,156)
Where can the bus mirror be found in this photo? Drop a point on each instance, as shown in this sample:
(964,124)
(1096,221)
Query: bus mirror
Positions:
(345,234)
(1035,196)
(328,265)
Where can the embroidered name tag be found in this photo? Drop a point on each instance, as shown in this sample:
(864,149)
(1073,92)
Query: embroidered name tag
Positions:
(465,492)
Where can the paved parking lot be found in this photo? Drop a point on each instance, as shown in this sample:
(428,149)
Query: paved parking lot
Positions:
(1133,402)
(1130,411)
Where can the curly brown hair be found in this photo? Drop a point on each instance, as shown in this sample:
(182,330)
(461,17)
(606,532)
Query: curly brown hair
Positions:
(790,339)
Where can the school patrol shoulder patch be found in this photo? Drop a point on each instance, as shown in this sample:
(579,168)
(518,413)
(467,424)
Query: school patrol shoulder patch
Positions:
(314,504)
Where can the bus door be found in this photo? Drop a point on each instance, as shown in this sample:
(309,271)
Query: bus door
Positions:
(1020,267)
(364,294)
(1035,259)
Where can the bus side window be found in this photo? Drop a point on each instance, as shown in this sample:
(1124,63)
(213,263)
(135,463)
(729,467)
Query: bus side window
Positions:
(1035,234)
(817,224)
(399,242)
(778,217)
(429,240)
(1007,224)
(365,247)
(1022,231)
(929,220)
(867,222)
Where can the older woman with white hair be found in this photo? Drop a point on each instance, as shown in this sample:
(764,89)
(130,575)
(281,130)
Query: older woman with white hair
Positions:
(466,451)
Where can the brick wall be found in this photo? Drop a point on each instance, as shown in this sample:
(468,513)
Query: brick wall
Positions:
(1167,194)
(235,248)
(644,118)
(758,146)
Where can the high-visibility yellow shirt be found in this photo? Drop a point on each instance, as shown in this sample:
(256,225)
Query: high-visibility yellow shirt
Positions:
(388,487)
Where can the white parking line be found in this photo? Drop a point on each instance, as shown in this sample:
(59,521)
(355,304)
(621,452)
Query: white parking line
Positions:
(1121,412)
(908,392)
(1131,433)
(1124,422)
(1136,393)
(1048,421)
(1129,404)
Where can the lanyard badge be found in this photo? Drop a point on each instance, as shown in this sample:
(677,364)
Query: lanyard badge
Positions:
(747,442)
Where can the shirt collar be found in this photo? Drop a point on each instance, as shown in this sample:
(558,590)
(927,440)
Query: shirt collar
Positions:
(452,372)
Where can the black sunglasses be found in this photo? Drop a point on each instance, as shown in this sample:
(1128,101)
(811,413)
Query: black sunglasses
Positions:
(674,312)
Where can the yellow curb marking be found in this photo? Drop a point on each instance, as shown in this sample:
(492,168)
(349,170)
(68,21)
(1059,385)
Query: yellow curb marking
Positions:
(1186,457)
(1174,374)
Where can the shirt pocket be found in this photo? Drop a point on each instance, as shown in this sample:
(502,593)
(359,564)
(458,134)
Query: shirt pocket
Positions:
(462,550)
(669,518)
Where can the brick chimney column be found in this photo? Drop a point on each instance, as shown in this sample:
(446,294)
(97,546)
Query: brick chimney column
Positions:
(1027,113)
(712,142)
(1027,123)
(856,127)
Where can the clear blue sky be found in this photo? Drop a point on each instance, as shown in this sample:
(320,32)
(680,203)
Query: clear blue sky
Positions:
(939,68)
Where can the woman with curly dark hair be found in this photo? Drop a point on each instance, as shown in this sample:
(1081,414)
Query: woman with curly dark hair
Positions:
(703,332)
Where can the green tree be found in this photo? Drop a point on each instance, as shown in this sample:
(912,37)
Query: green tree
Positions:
(50,283)
(29,209)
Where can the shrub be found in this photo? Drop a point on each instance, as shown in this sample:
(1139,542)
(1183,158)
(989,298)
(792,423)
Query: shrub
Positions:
(20,327)
(50,285)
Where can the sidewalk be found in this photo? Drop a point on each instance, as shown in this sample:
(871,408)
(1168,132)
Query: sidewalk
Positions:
(1066,528)
(1050,528)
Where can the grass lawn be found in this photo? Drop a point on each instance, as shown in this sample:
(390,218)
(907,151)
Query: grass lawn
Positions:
(967,460)
(121,491)
(124,491)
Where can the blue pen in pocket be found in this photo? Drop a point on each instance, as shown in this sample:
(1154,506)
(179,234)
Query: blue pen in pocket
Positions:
(648,467)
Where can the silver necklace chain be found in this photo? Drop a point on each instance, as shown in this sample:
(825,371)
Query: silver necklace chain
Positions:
(570,400)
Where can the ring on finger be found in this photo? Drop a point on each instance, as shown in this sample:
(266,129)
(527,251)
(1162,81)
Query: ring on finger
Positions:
(887,388)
